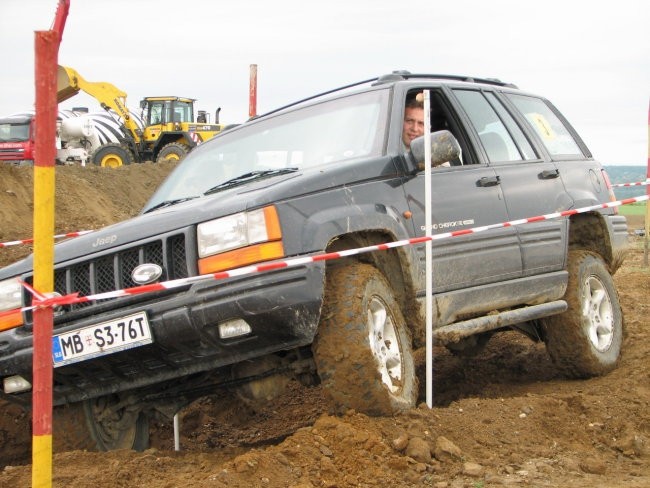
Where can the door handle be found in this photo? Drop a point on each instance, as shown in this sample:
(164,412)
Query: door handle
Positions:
(549,174)
(489,181)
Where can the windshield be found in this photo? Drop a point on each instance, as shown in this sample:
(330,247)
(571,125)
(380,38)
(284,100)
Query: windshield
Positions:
(346,128)
(165,111)
(14,132)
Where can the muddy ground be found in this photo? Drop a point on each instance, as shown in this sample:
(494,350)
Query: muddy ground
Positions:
(503,418)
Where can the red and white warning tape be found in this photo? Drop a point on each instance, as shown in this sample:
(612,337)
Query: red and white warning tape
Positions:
(79,233)
(41,301)
(638,183)
(59,236)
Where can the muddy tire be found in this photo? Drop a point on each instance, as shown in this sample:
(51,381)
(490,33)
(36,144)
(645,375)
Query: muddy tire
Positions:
(586,340)
(112,155)
(174,151)
(95,425)
(69,429)
(363,349)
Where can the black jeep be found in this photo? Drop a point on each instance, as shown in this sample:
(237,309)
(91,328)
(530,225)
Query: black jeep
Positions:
(324,175)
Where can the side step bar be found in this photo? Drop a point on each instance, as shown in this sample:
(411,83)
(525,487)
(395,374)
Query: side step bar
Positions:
(455,332)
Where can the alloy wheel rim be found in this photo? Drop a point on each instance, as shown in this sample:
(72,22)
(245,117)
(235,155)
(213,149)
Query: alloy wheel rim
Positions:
(597,308)
(384,344)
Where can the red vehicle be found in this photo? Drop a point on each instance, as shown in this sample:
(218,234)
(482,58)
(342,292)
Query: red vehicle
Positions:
(16,139)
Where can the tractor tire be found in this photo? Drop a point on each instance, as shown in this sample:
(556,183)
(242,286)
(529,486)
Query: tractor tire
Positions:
(112,155)
(174,151)
(586,340)
(363,348)
(105,428)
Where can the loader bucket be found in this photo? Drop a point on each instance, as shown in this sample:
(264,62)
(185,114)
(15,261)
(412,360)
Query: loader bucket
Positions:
(67,85)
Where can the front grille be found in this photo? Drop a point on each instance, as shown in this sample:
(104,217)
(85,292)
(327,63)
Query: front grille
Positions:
(113,271)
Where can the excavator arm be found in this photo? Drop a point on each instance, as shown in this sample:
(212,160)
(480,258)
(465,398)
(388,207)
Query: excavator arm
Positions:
(69,83)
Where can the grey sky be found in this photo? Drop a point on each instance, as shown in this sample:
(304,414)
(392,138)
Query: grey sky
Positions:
(590,59)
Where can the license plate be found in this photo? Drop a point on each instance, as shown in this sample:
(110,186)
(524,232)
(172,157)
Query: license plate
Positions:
(101,339)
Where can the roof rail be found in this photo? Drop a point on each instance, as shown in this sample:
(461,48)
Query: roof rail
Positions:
(389,78)
(405,75)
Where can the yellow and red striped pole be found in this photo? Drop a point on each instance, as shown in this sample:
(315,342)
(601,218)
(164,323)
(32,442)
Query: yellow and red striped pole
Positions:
(46,57)
(647,205)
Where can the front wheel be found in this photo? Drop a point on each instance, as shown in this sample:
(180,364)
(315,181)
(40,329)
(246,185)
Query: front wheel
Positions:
(108,426)
(174,151)
(112,155)
(586,340)
(363,349)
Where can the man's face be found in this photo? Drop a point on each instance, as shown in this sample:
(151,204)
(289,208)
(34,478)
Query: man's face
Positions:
(413,125)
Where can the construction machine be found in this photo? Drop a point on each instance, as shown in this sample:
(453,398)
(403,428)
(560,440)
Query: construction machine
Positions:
(170,130)
(77,135)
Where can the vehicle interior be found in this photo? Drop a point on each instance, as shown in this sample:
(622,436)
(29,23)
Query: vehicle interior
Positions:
(441,119)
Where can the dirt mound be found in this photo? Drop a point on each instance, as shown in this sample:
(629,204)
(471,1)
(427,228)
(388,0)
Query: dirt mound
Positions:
(505,417)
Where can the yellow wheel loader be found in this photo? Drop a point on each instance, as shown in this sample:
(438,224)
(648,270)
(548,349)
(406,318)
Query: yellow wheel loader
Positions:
(168,130)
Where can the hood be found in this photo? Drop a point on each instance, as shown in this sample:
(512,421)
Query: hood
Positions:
(193,212)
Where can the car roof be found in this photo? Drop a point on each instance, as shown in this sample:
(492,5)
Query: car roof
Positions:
(394,78)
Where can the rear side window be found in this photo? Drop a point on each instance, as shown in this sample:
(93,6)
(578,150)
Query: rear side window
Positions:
(551,130)
(500,136)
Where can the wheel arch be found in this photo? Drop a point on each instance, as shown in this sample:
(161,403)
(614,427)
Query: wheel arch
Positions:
(394,264)
(589,232)
(169,137)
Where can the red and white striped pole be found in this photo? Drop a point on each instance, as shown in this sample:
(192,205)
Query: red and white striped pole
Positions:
(252,91)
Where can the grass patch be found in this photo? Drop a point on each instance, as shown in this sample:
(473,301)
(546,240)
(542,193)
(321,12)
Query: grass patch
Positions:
(632,209)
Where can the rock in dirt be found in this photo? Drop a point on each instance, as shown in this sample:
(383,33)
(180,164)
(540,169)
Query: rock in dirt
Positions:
(446,451)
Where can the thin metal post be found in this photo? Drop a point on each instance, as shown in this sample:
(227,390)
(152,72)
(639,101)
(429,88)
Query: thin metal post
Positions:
(428,248)
(177,436)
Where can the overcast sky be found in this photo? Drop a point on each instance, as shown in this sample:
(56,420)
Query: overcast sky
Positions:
(591,59)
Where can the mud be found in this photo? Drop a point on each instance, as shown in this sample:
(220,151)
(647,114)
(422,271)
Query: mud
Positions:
(506,417)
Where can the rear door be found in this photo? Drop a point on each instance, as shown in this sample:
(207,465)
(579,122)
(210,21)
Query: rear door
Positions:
(529,180)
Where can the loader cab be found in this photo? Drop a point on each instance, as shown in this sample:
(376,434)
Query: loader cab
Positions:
(167,110)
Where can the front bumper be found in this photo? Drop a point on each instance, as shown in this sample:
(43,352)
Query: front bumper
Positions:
(282,307)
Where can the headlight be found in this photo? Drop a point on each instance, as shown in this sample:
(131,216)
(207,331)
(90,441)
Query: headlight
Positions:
(10,294)
(238,230)
(238,240)
(10,299)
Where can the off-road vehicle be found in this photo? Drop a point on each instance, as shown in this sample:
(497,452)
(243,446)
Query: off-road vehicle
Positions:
(324,175)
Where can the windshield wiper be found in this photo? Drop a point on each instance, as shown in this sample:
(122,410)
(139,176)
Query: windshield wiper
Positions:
(246,177)
(169,203)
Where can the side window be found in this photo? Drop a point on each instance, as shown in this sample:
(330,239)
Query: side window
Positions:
(515,131)
(155,114)
(551,130)
(495,137)
(442,117)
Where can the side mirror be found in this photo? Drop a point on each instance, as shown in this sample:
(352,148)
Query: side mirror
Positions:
(444,147)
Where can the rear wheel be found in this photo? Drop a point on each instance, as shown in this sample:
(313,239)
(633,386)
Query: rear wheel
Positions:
(586,340)
(363,350)
(108,426)
(112,155)
(174,151)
